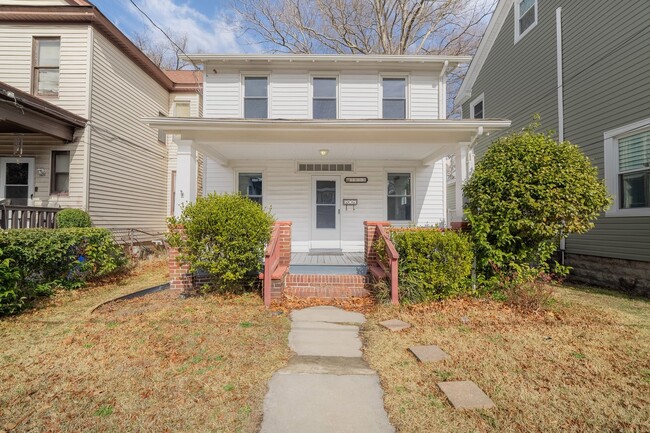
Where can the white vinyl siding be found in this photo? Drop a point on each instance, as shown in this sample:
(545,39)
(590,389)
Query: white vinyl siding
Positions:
(128,181)
(288,194)
(16,48)
(423,95)
(289,95)
(222,95)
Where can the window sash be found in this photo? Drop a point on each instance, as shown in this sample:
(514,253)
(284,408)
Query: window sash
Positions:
(394,98)
(634,152)
(527,14)
(634,189)
(477,110)
(250,189)
(399,201)
(46,62)
(60,180)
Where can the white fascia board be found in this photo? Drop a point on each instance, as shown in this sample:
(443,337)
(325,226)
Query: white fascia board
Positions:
(494,27)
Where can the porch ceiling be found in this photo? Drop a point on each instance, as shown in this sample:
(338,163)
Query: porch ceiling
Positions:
(236,139)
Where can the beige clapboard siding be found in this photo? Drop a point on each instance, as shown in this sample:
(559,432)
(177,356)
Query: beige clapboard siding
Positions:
(16,43)
(288,194)
(128,173)
(40,148)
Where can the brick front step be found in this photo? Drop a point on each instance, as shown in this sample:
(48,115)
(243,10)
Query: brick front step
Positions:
(325,286)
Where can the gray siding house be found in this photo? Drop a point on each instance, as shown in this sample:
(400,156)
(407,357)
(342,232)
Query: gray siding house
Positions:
(585,68)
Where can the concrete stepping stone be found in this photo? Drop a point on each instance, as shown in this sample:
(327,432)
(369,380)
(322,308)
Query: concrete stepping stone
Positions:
(466,395)
(326,314)
(324,339)
(395,325)
(429,353)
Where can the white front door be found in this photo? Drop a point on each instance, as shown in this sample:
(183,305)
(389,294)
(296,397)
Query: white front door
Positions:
(326,212)
(17,180)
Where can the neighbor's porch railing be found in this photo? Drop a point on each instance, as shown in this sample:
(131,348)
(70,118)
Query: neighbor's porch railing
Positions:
(23,217)
(390,268)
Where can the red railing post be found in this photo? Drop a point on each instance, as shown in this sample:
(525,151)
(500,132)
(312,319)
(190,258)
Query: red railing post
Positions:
(271,251)
(393,263)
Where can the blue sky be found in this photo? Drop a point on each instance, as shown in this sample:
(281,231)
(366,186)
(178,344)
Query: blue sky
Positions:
(209,24)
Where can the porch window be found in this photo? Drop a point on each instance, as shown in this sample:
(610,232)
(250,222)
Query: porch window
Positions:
(60,182)
(324,99)
(525,17)
(394,98)
(250,185)
(45,75)
(634,170)
(256,100)
(399,197)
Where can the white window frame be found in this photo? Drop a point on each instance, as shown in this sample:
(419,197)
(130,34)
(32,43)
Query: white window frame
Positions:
(255,74)
(474,103)
(311,92)
(518,34)
(612,168)
(407,93)
(182,101)
(405,170)
(239,171)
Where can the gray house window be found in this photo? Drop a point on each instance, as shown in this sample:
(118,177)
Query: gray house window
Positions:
(399,197)
(525,17)
(477,108)
(324,99)
(256,99)
(394,98)
(634,170)
(250,185)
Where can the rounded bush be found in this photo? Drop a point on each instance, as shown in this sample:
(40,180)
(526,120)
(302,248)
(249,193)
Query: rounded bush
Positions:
(526,193)
(433,264)
(224,236)
(73,218)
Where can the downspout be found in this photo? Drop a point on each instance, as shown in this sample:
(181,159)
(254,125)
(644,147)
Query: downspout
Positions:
(91,51)
(442,91)
(560,100)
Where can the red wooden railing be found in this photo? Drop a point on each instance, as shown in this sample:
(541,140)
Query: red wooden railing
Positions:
(271,262)
(390,268)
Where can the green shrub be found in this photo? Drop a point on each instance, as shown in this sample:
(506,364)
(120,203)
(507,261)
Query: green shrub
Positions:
(225,236)
(11,299)
(433,264)
(527,193)
(73,218)
(60,258)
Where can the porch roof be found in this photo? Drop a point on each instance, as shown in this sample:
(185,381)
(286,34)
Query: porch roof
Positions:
(378,139)
(21,112)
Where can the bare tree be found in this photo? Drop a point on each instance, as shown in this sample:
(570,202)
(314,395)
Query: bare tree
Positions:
(164,53)
(366,26)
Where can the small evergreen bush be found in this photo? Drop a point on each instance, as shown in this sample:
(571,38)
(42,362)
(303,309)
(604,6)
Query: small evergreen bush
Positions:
(41,259)
(11,299)
(527,193)
(224,236)
(73,218)
(433,264)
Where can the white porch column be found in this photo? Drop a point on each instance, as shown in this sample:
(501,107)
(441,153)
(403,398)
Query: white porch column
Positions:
(186,174)
(462,173)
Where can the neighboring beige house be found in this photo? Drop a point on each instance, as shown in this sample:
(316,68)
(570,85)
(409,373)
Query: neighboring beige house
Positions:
(70,55)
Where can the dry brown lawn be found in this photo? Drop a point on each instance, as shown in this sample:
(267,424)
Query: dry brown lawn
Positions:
(584,367)
(153,364)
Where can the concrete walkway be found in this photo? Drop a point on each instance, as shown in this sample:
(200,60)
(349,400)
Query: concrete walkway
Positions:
(327,387)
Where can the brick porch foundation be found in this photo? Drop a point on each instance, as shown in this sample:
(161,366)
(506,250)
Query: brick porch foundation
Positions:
(325,286)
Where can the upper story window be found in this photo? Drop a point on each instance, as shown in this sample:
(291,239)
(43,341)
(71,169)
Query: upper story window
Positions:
(324,98)
(394,98)
(182,109)
(627,169)
(256,97)
(45,75)
(525,17)
(477,108)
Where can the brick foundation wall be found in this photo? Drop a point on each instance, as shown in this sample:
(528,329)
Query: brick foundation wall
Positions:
(630,276)
(181,279)
(325,286)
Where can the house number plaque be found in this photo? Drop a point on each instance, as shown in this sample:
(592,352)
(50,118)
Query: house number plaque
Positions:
(356,180)
(350,202)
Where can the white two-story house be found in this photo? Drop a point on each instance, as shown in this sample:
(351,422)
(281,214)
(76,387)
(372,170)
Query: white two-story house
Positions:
(326,141)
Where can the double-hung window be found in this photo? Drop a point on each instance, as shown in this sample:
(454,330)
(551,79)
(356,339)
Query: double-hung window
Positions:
(394,98)
(627,169)
(525,17)
(250,185)
(60,182)
(256,97)
(399,197)
(324,98)
(477,110)
(45,75)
